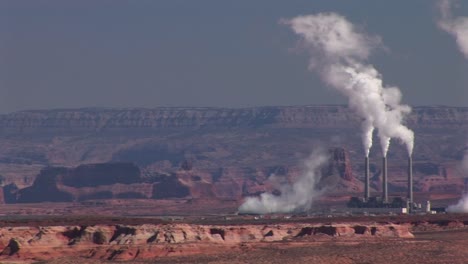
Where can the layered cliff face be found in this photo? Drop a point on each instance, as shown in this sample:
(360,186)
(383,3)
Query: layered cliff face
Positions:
(221,153)
(212,240)
(143,242)
(70,121)
(95,182)
(125,181)
(91,181)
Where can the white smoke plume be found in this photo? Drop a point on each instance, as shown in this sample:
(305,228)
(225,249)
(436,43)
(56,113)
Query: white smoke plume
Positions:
(458,28)
(462,205)
(465,162)
(296,197)
(339,53)
(455,26)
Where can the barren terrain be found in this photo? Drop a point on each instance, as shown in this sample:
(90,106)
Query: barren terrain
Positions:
(163,186)
(240,239)
(74,155)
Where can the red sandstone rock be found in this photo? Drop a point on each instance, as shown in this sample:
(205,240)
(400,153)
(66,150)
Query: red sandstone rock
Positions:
(232,150)
(123,242)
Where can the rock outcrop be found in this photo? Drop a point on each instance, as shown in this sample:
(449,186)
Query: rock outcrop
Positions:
(125,181)
(338,174)
(149,241)
(92,181)
(72,121)
(216,152)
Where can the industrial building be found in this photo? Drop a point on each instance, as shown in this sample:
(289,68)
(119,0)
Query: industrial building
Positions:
(382,204)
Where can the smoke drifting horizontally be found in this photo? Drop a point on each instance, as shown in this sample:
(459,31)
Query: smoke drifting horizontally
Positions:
(339,53)
(293,198)
(455,26)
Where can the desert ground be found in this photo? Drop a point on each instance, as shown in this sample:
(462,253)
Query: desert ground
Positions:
(440,238)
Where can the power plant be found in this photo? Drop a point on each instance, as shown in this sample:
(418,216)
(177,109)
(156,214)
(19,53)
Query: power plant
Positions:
(382,202)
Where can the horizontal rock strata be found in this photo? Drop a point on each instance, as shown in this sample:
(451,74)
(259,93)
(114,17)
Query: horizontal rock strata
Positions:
(127,242)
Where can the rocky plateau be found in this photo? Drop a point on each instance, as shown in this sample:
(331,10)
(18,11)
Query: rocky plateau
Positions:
(148,241)
(73,155)
(151,240)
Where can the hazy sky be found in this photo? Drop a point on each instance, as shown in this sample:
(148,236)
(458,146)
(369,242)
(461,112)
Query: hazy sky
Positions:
(62,54)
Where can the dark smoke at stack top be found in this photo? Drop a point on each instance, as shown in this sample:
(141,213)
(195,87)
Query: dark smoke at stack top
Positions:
(367,180)
(410,179)
(384,181)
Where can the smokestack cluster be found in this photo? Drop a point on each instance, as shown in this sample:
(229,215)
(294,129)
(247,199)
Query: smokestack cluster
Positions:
(385,180)
(339,53)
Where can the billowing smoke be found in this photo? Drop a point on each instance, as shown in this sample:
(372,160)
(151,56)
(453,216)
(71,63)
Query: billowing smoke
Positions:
(339,53)
(465,163)
(460,207)
(455,26)
(293,198)
(458,28)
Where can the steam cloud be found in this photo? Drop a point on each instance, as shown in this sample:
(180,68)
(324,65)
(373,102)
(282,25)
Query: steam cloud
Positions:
(339,53)
(462,205)
(458,28)
(455,26)
(296,197)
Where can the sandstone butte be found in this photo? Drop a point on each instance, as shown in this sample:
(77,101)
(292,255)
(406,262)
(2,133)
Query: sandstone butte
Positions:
(150,241)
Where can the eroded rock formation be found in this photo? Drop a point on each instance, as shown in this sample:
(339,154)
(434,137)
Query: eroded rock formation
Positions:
(216,152)
(125,181)
(123,242)
(93,181)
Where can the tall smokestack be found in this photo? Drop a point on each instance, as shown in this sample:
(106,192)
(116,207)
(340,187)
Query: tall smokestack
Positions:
(410,180)
(384,181)
(366,180)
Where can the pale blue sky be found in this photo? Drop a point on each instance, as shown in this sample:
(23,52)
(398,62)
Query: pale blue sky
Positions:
(63,54)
